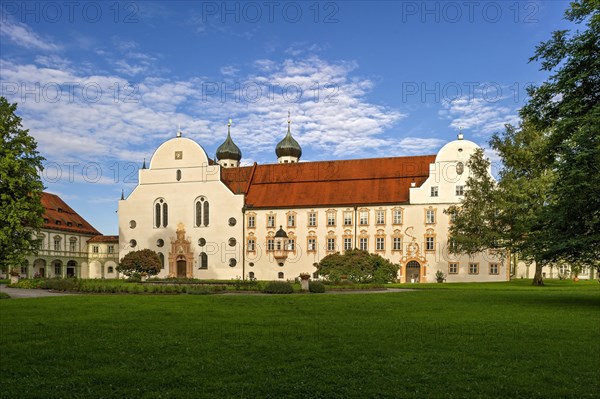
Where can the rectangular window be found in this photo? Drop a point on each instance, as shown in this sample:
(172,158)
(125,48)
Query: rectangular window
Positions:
(397,243)
(430,216)
(330,218)
(493,268)
(473,268)
(452,268)
(434,191)
(460,190)
(111,249)
(312,244)
(363,243)
(397,216)
(380,217)
(429,244)
(312,219)
(380,244)
(23,269)
(73,246)
(57,269)
(291,221)
(331,244)
(348,218)
(95,249)
(251,245)
(270,220)
(57,245)
(364,218)
(291,244)
(452,245)
(270,245)
(251,222)
(347,244)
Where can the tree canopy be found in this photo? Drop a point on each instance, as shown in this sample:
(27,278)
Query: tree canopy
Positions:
(358,266)
(21,211)
(137,262)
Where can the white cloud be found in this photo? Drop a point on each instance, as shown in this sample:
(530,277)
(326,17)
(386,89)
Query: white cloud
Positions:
(476,114)
(23,36)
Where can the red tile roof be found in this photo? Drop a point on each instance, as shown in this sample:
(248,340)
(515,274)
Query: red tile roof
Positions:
(60,216)
(102,239)
(328,183)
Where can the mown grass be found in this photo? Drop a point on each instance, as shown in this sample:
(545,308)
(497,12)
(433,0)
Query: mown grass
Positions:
(509,341)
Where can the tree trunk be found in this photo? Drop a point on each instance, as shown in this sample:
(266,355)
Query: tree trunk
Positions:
(537,278)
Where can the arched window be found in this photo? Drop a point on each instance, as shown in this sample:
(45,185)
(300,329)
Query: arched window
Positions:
(110,270)
(162,260)
(178,175)
(203,260)
(161,213)
(202,211)
(280,275)
(251,275)
(198,213)
(157,215)
(205,213)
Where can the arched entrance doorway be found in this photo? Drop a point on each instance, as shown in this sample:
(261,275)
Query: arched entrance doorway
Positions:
(181,267)
(71,268)
(413,272)
(39,268)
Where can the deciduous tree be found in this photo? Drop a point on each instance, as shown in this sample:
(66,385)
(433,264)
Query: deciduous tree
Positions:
(137,262)
(21,211)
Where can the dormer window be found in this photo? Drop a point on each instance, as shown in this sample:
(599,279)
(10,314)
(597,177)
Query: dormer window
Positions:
(69,224)
(57,222)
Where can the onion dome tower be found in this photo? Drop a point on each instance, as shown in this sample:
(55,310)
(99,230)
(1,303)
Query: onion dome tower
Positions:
(288,150)
(229,154)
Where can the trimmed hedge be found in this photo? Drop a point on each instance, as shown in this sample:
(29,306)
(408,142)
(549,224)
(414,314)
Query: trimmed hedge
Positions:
(316,287)
(278,287)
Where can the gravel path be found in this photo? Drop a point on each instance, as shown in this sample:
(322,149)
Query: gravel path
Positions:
(33,293)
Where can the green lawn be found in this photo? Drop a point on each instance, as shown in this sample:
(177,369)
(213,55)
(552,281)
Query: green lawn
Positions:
(505,340)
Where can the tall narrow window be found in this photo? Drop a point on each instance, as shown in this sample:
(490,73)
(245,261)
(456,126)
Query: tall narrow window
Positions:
(178,175)
(157,215)
(363,243)
(162,260)
(348,218)
(165,214)
(206,214)
(161,213)
(203,260)
(198,213)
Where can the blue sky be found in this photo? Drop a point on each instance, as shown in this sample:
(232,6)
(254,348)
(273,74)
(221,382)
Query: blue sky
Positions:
(101,84)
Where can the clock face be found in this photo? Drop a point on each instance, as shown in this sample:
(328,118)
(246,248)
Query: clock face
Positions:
(178,154)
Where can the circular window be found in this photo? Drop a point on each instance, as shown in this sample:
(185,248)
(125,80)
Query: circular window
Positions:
(460,168)
(232,242)
(460,150)
(161,201)
(281,264)
(251,264)
(232,221)
(160,242)
(132,224)
(133,243)
(201,242)
(202,199)
(232,262)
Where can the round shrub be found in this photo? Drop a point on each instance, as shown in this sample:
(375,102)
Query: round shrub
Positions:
(278,287)
(316,287)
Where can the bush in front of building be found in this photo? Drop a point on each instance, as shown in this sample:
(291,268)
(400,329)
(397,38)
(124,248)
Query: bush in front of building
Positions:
(137,263)
(278,287)
(357,266)
(316,287)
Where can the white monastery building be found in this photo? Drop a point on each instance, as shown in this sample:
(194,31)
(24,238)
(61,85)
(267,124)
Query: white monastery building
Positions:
(219,220)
